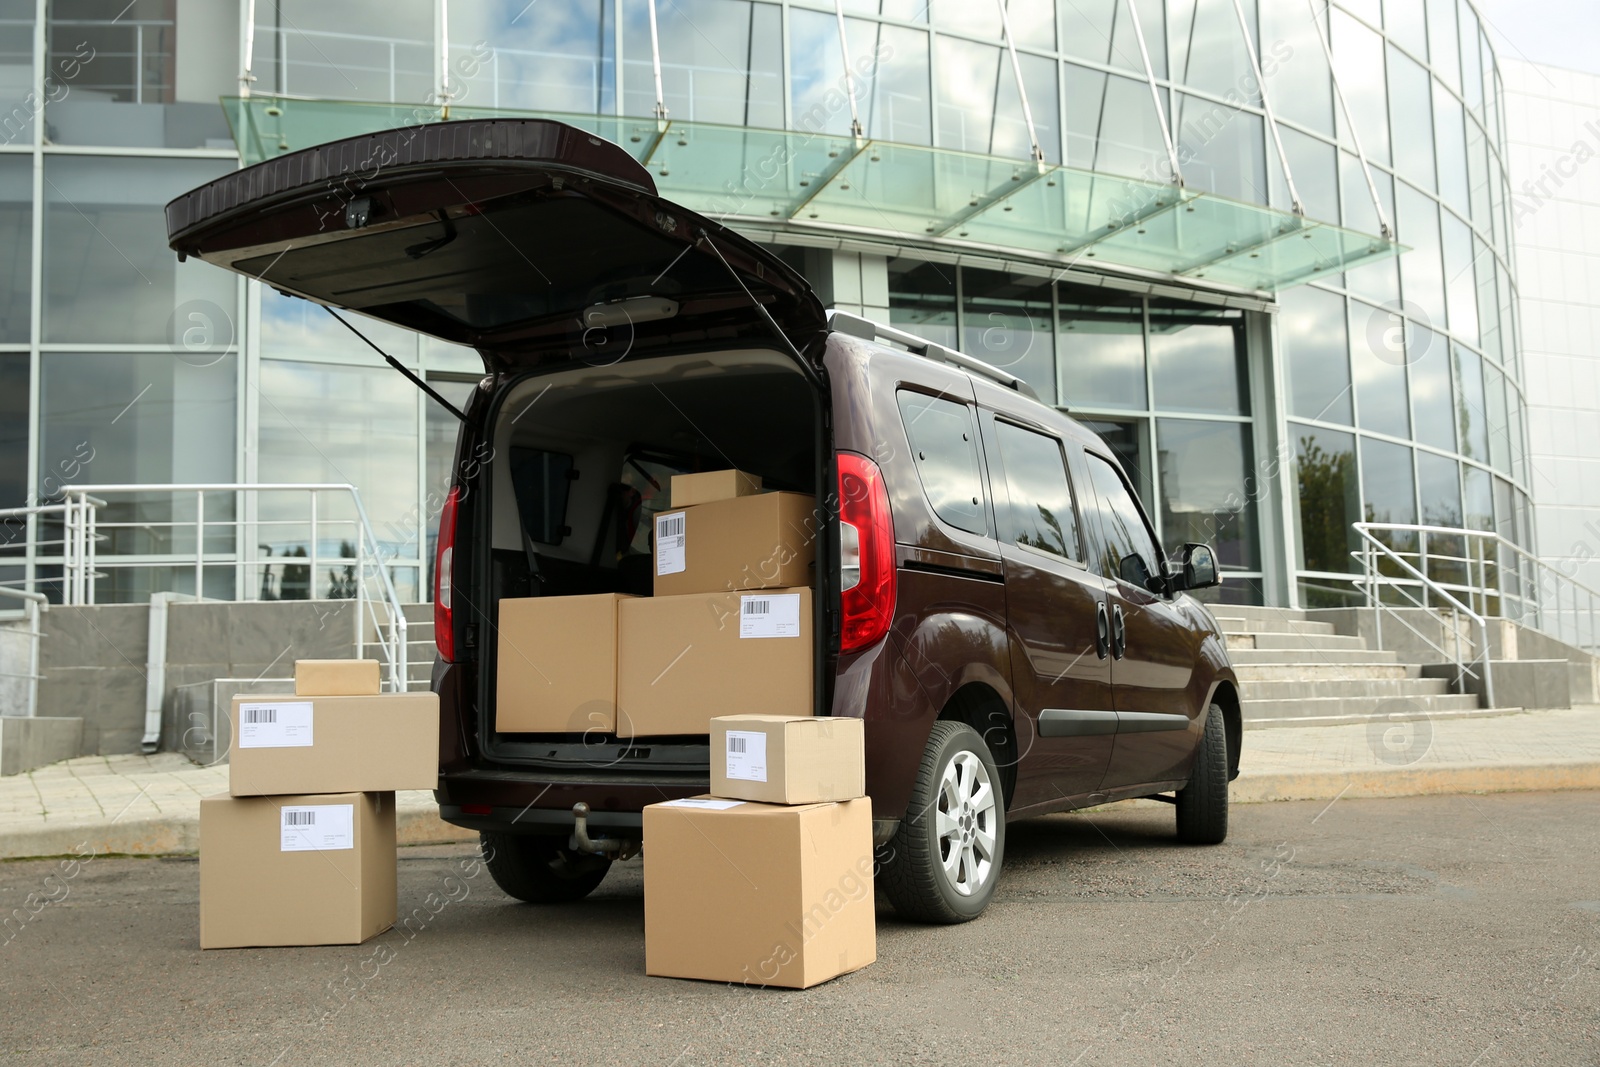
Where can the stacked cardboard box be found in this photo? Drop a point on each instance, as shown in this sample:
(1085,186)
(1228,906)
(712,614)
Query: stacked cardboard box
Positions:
(728,629)
(768,881)
(301,849)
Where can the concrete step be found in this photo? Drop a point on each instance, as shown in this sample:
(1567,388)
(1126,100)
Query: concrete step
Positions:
(1258,656)
(1317,642)
(1260,618)
(1346,720)
(1290,688)
(1323,707)
(1234,625)
(1305,672)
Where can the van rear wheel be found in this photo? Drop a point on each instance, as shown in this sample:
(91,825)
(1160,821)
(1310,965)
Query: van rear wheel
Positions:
(541,870)
(944,861)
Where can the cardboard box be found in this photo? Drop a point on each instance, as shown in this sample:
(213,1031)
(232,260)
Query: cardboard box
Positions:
(691,489)
(336,678)
(556,664)
(296,870)
(333,744)
(683,660)
(756,893)
(747,542)
(787,759)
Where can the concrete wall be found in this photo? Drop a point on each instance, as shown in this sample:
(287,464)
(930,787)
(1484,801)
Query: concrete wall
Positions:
(15,648)
(94,658)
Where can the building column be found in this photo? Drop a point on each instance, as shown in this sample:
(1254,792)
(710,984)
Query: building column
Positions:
(855,282)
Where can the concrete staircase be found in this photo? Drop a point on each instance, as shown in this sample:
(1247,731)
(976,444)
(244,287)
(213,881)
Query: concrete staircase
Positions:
(1297,672)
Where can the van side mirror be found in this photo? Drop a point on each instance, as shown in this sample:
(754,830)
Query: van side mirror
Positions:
(1197,569)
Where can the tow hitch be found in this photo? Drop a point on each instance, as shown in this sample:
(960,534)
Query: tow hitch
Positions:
(614,847)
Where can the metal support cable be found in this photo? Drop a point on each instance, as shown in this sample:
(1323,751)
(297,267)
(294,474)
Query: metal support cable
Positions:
(246,75)
(1266,105)
(1022,90)
(1155,95)
(849,75)
(655,59)
(1350,122)
(444,57)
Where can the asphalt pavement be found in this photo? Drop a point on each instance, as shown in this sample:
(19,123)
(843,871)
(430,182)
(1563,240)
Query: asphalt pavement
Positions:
(1431,930)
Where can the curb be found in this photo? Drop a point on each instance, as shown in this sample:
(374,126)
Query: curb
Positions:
(421,825)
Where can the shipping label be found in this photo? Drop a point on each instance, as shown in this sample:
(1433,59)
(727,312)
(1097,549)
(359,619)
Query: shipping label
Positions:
(699,802)
(281,724)
(769,615)
(671,542)
(317,827)
(747,755)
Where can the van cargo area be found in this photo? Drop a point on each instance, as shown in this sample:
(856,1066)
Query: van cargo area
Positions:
(582,461)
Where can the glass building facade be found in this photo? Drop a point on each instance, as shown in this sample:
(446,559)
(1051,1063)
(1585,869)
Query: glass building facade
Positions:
(1263,418)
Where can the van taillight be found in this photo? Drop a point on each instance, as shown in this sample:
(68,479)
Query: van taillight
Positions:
(444,631)
(866,553)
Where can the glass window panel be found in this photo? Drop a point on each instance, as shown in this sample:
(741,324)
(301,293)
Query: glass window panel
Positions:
(13,438)
(1005,320)
(1494,391)
(1377,359)
(1325,477)
(17,111)
(16,248)
(1369,10)
(1011,128)
(1042,515)
(345,51)
(1405,23)
(121,418)
(553,57)
(1112,125)
(1421,269)
(1389,492)
(1411,119)
(1197,359)
(922,299)
(890,65)
(1432,413)
(721,61)
(1033,23)
(1295,68)
(959,16)
(1484,267)
(1444,47)
(1128,441)
(1472,416)
(1207,493)
(439,450)
(1461,279)
(1314,165)
(1478,176)
(1378,282)
(966,82)
(1222,149)
(1316,354)
(291,327)
(327,423)
(1130,549)
(1101,340)
(1449,127)
(1471,60)
(1207,50)
(1358,62)
(441,355)
(944,445)
(1519,468)
(1438,481)
(1102,31)
(1477,498)
(109,276)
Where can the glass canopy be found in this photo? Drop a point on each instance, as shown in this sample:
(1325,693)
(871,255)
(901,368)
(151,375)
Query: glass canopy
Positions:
(1060,214)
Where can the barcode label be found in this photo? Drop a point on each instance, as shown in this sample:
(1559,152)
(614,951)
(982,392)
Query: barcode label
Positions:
(770,615)
(701,802)
(747,755)
(281,724)
(672,539)
(317,827)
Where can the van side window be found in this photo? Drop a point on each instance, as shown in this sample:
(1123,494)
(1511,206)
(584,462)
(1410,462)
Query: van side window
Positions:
(1131,552)
(944,444)
(541,481)
(1042,515)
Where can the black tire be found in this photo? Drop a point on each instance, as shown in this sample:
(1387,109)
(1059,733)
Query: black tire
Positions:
(1203,803)
(541,870)
(914,875)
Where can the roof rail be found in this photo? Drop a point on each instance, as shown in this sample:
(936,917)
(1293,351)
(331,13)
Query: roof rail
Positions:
(866,329)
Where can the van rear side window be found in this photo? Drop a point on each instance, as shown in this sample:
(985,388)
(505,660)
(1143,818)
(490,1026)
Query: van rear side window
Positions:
(944,444)
(542,481)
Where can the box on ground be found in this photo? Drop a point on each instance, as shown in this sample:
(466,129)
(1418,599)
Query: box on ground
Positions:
(691,489)
(787,759)
(336,678)
(756,893)
(748,542)
(556,664)
(296,870)
(683,660)
(333,744)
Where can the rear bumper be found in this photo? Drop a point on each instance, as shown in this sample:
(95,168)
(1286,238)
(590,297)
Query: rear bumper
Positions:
(540,802)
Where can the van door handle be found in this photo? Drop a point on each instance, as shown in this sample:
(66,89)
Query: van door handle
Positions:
(1119,633)
(1102,630)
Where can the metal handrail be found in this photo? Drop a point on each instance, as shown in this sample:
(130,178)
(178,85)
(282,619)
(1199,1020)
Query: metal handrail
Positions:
(387,614)
(1372,580)
(33,605)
